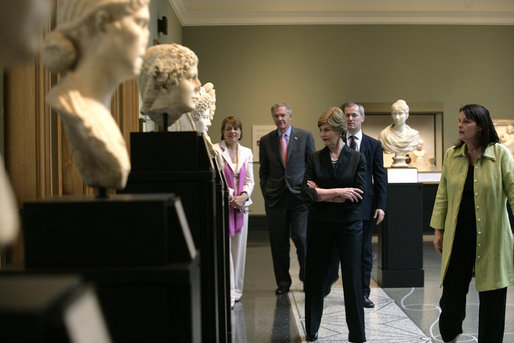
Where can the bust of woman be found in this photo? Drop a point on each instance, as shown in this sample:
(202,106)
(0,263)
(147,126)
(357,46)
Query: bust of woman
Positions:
(98,44)
(399,138)
(168,82)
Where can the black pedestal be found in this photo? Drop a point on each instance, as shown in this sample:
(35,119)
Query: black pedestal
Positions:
(119,231)
(180,162)
(400,242)
(136,250)
(151,304)
(45,309)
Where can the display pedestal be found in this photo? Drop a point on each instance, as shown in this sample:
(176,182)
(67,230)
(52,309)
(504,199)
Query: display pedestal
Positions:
(50,308)
(180,162)
(137,250)
(400,241)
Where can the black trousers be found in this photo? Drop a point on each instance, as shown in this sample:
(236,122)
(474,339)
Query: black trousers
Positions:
(367,255)
(366,260)
(288,218)
(348,240)
(491,317)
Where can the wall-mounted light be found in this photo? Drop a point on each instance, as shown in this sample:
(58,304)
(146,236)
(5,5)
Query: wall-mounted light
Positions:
(162,25)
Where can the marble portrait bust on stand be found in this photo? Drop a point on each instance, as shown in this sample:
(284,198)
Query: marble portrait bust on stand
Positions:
(419,157)
(20,24)
(97,44)
(203,114)
(169,83)
(399,138)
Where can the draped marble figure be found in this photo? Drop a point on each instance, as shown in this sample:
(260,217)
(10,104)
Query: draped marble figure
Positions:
(20,27)
(398,137)
(97,44)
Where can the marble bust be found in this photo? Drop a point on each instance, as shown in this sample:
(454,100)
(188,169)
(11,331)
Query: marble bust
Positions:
(203,114)
(419,156)
(507,138)
(398,137)
(20,24)
(200,119)
(168,82)
(97,44)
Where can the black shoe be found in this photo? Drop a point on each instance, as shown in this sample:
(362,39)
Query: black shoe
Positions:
(312,338)
(280,291)
(368,303)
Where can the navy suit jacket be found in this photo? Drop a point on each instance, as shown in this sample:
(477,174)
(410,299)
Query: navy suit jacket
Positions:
(274,178)
(375,194)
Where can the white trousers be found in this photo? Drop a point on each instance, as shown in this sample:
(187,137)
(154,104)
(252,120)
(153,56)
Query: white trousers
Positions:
(238,260)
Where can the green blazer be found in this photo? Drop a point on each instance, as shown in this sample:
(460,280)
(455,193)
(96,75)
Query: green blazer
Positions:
(493,185)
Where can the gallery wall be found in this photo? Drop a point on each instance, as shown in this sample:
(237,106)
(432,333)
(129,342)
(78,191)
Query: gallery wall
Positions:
(158,9)
(316,67)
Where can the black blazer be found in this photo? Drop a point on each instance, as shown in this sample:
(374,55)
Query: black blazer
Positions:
(274,178)
(375,194)
(350,171)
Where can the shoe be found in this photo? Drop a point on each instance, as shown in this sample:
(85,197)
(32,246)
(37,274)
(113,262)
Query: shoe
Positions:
(368,303)
(312,338)
(280,291)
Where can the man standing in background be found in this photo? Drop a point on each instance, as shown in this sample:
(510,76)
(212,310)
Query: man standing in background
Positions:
(374,203)
(283,153)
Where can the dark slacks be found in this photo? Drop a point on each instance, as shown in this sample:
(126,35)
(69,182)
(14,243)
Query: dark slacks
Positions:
(366,260)
(287,219)
(367,255)
(491,315)
(348,241)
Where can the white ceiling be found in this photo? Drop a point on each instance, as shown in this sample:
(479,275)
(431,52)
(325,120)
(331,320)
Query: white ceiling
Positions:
(290,12)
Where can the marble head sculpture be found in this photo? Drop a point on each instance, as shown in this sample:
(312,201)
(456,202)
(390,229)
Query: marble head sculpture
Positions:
(203,114)
(168,82)
(98,44)
(20,28)
(399,138)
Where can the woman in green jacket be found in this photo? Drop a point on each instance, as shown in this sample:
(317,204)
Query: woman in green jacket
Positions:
(472,229)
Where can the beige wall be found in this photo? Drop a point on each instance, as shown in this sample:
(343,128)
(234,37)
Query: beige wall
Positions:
(315,67)
(159,8)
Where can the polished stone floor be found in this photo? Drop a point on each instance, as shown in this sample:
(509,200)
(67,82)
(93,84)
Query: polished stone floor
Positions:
(400,315)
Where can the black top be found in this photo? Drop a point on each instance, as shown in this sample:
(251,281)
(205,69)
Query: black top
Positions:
(465,235)
(350,171)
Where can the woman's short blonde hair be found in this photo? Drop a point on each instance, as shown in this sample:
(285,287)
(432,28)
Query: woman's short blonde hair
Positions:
(334,117)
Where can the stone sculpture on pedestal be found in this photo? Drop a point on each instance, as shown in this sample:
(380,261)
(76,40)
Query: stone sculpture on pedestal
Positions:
(419,156)
(98,44)
(168,82)
(399,138)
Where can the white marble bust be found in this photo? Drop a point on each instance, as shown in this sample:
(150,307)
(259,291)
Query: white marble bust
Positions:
(419,156)
(169,82)
(399,138)
(20,25)
(98,44)
(507,138)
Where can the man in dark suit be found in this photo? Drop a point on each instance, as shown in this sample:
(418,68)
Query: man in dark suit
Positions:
(282,157)
(375,195)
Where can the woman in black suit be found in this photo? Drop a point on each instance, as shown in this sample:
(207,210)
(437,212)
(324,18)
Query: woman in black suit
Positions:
(333,185)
